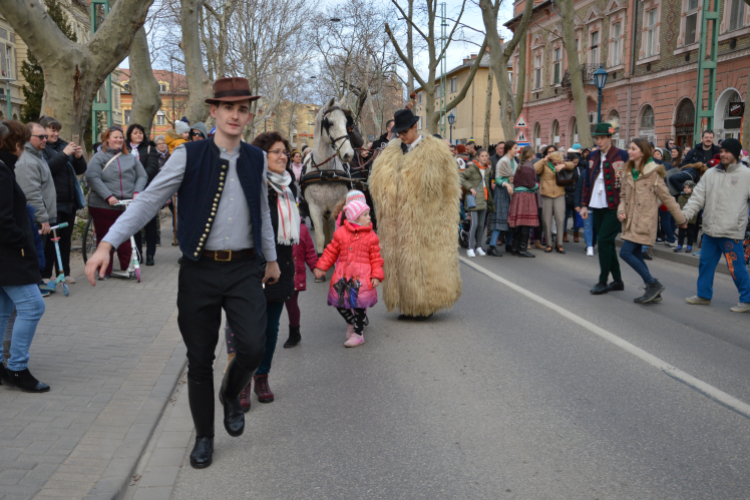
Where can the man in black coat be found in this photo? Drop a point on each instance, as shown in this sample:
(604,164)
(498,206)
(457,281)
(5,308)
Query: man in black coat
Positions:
(384,139)
(701,153)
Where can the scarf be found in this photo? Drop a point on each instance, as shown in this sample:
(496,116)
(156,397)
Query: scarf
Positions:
(288,230)
(297,169)
(481,172)
(552,167)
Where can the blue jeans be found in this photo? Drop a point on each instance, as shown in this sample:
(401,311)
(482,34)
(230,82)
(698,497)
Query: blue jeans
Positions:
(273,310)
(711,252)
(570,212)
(28,302)
(588,230)
(668,225)
(632,253)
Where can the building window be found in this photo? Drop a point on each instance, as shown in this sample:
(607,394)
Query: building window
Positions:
(558,65)
(646,124)
(126,86)
(160,118)
(127,117)
(555,134)
(651,33)
(616,32)
(594,48)
(162,88)
(691,22)
(419,98)
(736,15)
(454,84)
(538,72)
(732,117)
(419,123)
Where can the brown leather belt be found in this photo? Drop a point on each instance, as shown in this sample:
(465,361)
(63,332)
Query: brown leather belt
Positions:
(228,255)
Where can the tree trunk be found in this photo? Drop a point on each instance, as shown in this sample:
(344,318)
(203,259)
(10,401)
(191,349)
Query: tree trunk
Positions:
(521,82)
(576,78)
(487,112)
(143,85)
(499,57)
(73,72)
(198,84)
(410,46)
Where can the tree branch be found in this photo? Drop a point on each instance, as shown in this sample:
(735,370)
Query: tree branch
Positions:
(405,59)
(408,20)
(470,79)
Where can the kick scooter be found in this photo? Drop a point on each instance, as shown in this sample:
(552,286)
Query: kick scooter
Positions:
(52,285)
(134,269)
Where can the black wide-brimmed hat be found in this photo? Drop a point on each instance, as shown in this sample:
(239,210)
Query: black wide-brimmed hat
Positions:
(404,119)
(231,90)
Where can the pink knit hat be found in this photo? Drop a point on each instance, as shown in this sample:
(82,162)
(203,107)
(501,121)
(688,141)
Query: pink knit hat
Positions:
(355,195)
(354,209)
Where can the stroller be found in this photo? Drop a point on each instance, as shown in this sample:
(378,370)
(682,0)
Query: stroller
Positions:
(464,227)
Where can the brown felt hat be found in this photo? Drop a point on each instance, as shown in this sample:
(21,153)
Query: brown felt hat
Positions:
(231,90)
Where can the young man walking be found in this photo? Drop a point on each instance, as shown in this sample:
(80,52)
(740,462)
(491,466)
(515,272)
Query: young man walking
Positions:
(224,232)
(723,194)
(601,194)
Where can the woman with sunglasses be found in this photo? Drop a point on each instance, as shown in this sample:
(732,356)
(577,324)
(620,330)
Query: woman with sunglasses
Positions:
(113,175)
(146,152)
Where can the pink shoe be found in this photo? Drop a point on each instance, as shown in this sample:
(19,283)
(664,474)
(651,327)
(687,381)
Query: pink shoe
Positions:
(355,341)
(349,331)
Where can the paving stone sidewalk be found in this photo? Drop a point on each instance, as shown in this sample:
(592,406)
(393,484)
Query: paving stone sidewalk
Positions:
(112,355)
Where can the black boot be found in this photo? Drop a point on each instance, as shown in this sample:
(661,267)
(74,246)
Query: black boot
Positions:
(616,286)
(236,378)
(201,397)
(294,337)
(149,260)
(599,289)
(25,381)
(493,251)
(523,244)
(653,290)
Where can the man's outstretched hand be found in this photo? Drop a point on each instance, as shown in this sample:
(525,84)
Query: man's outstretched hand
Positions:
(98,262)
(272,273)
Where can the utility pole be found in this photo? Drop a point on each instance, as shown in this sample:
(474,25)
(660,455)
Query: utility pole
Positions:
(707,16)
(106,106)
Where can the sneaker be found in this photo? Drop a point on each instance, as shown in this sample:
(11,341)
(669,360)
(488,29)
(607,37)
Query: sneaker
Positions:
(70,280)
(698,301)
(742,307)
(697,254)
(45,293)
(589,251)
(688,249)
(349,331)
(677,249)
(470,253)
(659,240)
(668,244)
(653,290)
(480,252)
(355,341)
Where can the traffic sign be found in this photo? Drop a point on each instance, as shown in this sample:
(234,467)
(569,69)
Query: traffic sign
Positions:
(521,122)
(523,144)
(521,137)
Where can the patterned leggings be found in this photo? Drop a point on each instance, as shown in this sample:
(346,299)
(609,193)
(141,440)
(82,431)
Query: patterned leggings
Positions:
(354,317)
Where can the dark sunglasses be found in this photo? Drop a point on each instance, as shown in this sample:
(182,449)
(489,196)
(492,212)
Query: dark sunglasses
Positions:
(197,134)
(41,136)
(112,129)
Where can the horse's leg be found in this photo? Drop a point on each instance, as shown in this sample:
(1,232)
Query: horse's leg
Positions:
(327,230)
(316,216)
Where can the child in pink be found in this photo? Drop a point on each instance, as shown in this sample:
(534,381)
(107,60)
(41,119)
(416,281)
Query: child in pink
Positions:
(304,252)
(358,272)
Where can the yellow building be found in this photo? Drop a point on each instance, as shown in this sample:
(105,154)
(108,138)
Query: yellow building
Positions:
(12,53)
(295,121)
(470,112)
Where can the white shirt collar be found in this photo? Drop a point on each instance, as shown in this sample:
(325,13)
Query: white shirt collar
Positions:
(414,144)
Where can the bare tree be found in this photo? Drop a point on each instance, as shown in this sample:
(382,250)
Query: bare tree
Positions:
(197,78)
(143,85)
(576,77)
(429,84)
(500,54)
(487,111)
(218,39)
(74,72)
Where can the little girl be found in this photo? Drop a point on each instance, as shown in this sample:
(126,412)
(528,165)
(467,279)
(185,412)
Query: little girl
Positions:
(358,272)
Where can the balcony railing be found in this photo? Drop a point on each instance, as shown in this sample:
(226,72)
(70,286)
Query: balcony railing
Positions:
(587,72)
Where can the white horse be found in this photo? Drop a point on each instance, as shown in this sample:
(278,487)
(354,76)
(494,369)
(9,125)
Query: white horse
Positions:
(331,150)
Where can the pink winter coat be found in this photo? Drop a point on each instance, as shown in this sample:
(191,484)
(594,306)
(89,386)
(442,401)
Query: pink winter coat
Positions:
(304,252)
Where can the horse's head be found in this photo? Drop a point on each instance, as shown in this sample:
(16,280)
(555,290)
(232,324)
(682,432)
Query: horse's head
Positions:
(332,120)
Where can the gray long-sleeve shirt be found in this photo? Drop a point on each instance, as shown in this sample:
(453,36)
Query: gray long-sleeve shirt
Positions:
(232,228)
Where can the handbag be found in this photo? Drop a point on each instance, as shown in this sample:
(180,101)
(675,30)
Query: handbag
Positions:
(565,177)
(80,200)
(471,201)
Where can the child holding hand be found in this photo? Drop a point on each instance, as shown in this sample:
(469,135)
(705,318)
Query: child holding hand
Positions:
(691,231)
(358,272)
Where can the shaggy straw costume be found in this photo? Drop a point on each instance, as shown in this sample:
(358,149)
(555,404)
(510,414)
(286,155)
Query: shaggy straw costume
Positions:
(417,198)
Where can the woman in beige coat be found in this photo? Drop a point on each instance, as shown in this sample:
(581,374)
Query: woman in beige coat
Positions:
(642,193)
(553,196)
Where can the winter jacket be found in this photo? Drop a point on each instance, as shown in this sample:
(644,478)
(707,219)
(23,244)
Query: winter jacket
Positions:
(123,177)
(724,196)
(613,165)
(304,252)
(283,289)
(38,242)
(696,155)
(163,157)
(17,250)
(548,179)
(173,139)
(149,158)
(682,201)
(35,178)
(471,178)
(60,166)
(640,201)
(357,249)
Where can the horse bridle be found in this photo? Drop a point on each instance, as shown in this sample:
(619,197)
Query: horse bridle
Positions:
(326,125)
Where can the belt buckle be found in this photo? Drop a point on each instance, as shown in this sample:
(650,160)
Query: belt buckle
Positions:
(217,259)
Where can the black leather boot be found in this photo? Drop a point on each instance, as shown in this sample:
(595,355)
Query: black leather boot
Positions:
(236,378)
(523,244)
(201,397)
(294,337)
(25,381)
(493,251)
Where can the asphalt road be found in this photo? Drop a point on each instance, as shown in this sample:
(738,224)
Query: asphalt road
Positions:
(502,397)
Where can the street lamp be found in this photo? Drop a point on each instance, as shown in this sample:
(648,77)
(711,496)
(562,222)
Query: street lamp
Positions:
(451,121)
(335,20)
(600,80)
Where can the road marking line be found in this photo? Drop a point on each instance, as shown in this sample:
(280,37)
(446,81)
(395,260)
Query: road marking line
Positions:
(708,390)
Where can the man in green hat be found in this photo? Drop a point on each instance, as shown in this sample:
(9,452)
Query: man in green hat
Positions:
(601,195)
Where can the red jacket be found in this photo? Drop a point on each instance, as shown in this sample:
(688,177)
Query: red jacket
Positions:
(304,252)
(358,251)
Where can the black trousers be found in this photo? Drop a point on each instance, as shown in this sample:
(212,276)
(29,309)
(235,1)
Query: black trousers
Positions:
(151,236)
(50,255)
(691,232)
(204,289)
(355,317)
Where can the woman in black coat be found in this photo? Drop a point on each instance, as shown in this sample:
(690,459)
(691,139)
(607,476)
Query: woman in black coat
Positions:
(66,162)
(19,272)
(147,154)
